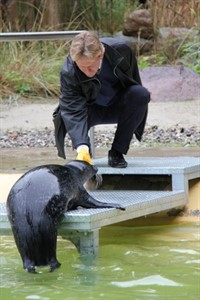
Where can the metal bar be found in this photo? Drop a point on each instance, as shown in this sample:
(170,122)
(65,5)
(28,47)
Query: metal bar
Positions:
(28,36)
(92,142)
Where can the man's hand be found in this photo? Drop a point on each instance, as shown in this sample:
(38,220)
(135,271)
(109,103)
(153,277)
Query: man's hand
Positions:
(83,154)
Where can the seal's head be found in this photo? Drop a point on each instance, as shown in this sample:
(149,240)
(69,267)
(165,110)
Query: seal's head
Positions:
(83,169)
(88,174)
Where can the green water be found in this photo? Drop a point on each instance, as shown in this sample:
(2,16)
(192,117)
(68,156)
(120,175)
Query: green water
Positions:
(144,263)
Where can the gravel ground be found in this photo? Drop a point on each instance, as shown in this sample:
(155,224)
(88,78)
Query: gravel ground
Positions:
(176,135)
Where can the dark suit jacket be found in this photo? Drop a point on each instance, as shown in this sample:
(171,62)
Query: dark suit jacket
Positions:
(78,91)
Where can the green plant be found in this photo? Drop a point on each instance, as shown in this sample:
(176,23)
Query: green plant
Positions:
(23,88)
(191,54)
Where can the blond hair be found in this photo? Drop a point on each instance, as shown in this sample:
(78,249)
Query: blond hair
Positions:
(86,44)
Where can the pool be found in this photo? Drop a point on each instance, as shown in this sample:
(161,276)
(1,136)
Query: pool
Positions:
(134,263)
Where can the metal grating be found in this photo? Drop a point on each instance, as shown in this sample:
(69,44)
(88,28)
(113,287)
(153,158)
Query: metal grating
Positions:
(154,165)
(136,203)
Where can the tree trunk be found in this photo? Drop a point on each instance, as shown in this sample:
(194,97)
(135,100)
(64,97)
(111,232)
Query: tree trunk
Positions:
(8,13)
(50,15)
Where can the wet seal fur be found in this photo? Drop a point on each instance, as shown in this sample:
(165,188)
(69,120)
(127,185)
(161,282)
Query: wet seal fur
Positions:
(36,204)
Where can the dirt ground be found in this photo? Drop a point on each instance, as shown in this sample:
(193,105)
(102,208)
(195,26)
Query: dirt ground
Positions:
(39,115)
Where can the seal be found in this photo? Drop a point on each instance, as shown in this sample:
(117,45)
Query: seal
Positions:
(36,204)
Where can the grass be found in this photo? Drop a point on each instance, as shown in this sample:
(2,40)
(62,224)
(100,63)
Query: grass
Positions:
(172,51)
(31,69)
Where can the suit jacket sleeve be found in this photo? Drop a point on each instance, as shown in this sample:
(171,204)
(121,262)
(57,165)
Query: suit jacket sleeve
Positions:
(73,107)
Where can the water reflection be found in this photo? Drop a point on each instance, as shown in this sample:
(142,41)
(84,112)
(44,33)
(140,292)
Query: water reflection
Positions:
(161,262)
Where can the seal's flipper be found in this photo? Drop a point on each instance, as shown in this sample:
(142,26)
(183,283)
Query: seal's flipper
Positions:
(90,202)
(54,264)
(28,265)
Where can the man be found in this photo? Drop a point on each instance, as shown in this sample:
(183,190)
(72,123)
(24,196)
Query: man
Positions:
(100,84)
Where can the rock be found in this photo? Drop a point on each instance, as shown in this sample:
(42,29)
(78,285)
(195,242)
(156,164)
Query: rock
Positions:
(171,84)
(139,23)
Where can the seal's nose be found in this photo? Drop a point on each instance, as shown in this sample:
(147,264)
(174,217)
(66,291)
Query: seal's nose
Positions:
(94,183)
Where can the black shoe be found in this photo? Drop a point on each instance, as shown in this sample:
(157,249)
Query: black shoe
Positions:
(116,159)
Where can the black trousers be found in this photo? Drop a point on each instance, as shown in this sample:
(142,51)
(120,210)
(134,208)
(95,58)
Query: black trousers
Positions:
(129,112)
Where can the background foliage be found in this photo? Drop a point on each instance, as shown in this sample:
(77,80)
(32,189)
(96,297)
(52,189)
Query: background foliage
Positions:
(104,15)
(32,68)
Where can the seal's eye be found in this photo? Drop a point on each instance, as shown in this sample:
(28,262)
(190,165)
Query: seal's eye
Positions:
(95,168)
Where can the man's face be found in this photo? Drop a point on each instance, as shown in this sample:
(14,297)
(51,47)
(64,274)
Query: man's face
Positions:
(89,66)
